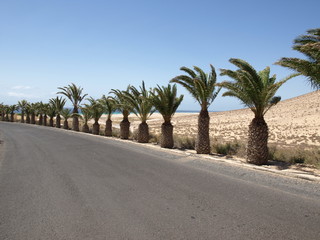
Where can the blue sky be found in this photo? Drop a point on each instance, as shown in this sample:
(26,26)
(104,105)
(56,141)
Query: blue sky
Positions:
(101,45)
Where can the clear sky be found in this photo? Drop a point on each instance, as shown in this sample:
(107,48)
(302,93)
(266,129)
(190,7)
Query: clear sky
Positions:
(104,44)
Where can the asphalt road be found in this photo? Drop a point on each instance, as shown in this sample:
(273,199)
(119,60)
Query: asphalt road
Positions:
(57,184)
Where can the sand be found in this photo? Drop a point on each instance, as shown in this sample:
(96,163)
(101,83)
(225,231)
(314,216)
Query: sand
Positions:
(291,122)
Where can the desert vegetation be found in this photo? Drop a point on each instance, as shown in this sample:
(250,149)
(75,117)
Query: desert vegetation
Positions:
(250,140)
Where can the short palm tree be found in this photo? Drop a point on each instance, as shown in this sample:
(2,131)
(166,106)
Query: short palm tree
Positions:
(66,113)
(166,102)
(51,112)
(28,113)
(309,45)
(121,103)
(2,111)
(40,111)
(74,94)
(12,109)
(58,104)
(45,109)
(97,109)
(33,112)
(86,116)
(110,108)
(22,106)
(202,87)
(255,90)
(142,107)
(7,112)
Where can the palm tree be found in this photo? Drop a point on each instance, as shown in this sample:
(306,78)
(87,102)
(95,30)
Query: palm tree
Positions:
(28,112)
(22,106)
(309,45)
(2,111)
(110,108)
(33,112)
(166,102)
(97,110)
(255,90)
(121,103)
(142,107)
(45,109)
(202,88)
(58,104)
(40,111)
(74,94)
(86,116)
(51,112)
(7,112)
(66,113)
(12,109)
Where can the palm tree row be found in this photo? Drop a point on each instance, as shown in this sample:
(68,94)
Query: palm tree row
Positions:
(255,89)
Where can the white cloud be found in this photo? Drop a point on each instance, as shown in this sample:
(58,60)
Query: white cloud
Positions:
(18,94)
(21,87)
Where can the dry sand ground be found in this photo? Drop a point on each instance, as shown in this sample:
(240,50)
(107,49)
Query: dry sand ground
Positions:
(291,122)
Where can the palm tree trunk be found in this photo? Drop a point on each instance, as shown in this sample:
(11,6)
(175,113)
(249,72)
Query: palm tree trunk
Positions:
(85,128)
(12,117)
(143,133)
(124,128)
(28,120)
(45,117)
(7,117)
(65,124)
(108,130)
(51,122)
(3,118)
(96,128)
(58,121)
(75,120)
(33,118)
(166,135)
(40,119)
(203,140)
(257,151)
(22,117)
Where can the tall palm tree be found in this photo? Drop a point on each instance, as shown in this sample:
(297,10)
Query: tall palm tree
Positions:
(125,108)
(74,94)
(142,107)
(166,102)
(58,104)
(309,45)
(255,90)
(22,106)
(66,113)
(97,110)
(110,108)
(202,87)
(86,116)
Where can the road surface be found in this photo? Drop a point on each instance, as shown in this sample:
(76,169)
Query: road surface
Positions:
(57,184)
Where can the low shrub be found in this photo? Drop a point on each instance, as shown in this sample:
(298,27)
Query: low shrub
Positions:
(184,142)
(229,148)
(310,156)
